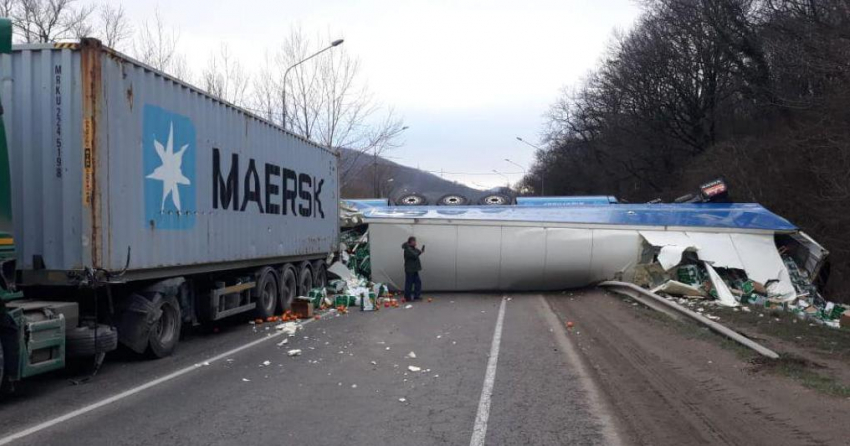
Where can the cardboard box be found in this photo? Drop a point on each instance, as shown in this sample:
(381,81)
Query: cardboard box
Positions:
(302,308)
(845,320)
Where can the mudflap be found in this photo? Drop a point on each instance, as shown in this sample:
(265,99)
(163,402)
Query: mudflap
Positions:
(135,323)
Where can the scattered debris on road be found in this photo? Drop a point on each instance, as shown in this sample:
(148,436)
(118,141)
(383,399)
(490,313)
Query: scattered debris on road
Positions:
(294,352)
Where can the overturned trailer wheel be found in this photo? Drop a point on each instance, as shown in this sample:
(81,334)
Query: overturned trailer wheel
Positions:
(495,200)
(411,199)
(453,200)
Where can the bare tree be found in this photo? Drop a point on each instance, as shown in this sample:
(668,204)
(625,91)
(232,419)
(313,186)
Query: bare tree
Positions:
(326,101)
(48,20)
(7,7)
(225,77)
(156,44)
(114,26)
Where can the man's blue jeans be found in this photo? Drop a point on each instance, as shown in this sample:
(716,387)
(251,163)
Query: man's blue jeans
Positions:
(411,281)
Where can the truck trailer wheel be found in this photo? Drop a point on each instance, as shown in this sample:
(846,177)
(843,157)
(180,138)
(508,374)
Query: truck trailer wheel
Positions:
(411,199)
(266,293)
(495,200)
(320,274)
(288,286)
(82,342)
(453,200)
(165,332)
(305,279)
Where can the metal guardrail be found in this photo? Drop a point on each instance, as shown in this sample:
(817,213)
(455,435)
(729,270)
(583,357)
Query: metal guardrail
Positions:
(676,311)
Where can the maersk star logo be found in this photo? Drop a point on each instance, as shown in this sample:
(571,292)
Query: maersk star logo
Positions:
(169,172)
(168,169)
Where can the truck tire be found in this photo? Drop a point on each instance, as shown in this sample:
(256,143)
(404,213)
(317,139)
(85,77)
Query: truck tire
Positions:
(453,200)
(81,342)
(320,274)
(165,332)
(411,199)
(496,200)
(305,279)
(288,286)
(266,293)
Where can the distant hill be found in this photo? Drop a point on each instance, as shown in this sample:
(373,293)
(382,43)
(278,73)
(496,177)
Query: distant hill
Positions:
(357,175)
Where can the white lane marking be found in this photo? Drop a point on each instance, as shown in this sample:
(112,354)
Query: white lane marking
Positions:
(84,410)
(479,430)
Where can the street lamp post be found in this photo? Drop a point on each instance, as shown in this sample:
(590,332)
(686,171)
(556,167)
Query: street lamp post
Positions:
(336,42)
(542,171)
(524,171)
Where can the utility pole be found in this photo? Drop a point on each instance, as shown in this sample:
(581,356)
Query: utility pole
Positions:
(376,191)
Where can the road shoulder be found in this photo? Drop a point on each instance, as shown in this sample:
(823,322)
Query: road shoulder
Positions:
(668,387)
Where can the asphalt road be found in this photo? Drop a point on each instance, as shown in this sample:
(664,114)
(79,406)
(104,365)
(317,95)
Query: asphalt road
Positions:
(350,385)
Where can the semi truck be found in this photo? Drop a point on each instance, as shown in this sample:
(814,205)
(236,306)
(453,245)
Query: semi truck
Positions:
(134,205)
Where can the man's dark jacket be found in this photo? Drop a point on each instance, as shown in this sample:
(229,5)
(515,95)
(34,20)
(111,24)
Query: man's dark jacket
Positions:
(411,258)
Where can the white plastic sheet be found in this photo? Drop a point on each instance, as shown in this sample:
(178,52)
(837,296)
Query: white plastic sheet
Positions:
(340,271)
(724,294)
(764,265)
(670,256)
(679,289)
(717,249)
(672,243)
(666,238)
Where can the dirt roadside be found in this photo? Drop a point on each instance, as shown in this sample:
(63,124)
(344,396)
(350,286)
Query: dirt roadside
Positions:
(672,384)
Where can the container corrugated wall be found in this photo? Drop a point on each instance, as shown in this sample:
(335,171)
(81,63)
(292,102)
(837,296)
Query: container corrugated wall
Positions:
(41,95)
(153,181)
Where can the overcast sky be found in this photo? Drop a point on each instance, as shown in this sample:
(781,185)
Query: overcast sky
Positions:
(467,76)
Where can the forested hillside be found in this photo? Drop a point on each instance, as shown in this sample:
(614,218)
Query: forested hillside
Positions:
(755,91)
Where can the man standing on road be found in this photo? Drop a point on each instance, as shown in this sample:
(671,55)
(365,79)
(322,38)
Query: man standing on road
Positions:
(412,266)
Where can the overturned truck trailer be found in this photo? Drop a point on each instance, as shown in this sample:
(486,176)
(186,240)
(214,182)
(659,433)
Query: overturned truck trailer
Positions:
(549,248)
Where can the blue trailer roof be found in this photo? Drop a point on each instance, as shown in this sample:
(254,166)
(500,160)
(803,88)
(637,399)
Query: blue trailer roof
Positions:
(361,204)
(748,216)
(576,200)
